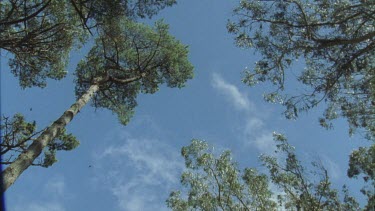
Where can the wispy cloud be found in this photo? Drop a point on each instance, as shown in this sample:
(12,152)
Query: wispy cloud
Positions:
(254,132)
(232,93)
(265,143)
(140,170)
(147,155)
(252,128)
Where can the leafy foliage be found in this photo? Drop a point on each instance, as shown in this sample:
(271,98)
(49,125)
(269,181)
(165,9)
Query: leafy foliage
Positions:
(98,10)
(17,134)
(126,58)
(303,188)
(335,39)
(362,162)
(336,42)
(216,183)
(129,58)
(40,34)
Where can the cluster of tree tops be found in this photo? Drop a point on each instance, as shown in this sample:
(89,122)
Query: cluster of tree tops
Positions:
(334,39)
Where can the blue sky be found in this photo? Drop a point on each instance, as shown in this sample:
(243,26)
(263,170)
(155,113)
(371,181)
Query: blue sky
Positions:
(135,167)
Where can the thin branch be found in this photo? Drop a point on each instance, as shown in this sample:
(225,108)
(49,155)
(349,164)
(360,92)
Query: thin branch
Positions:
(27,17)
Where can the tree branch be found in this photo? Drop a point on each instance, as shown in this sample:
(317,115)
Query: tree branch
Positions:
(27,17)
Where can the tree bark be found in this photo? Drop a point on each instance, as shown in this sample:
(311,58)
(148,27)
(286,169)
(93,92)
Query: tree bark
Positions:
(26,158)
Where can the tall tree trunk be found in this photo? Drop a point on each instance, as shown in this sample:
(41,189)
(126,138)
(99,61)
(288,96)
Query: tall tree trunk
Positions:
(26,158)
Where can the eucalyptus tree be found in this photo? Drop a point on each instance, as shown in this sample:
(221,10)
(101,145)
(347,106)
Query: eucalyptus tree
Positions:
(126,58)
(304,187)
(333,39)
(216,183)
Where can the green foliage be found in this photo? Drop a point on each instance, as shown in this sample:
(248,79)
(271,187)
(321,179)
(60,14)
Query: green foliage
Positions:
(129,58)
(126,58)
(101,9)
(17,134)
(362,162)
(216,183)
(304,188)
(40,34)
(335,40)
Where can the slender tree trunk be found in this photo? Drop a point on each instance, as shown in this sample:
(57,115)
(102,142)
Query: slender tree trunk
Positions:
(25,159)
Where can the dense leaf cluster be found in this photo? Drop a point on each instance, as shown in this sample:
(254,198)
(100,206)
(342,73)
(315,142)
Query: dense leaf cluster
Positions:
(40,34)
(362,163)
(129,58)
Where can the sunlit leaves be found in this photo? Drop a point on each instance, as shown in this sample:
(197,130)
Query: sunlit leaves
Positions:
(214,182)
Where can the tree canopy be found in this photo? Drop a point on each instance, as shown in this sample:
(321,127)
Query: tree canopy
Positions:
(40,34)
(333,39)
(335,42)
(131,51)
(215,182)
(362,163)
(126,58)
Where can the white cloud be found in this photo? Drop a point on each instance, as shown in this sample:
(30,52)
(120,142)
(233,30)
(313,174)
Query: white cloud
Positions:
(265,143)
(254,132)
(139,172)
(147,155)
(252,126)
(233,95)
